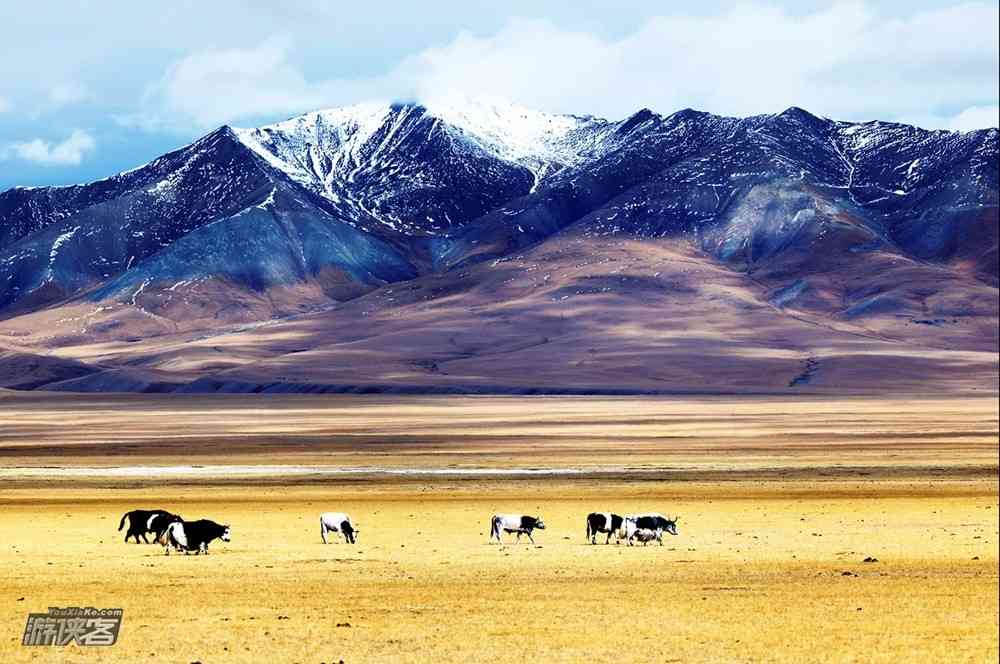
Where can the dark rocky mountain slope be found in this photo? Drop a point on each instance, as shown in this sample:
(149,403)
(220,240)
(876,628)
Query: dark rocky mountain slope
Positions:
(877,231)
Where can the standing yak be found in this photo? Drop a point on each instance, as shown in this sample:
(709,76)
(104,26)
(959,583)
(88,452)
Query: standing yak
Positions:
(603,522)
(141,522)
(194,536)
(514,523)
(337,522)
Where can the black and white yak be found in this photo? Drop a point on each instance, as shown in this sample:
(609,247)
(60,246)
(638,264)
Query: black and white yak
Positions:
(514,523)
(647,527)
(188,536)
(603,522)
(645,535)
(337,522)
(142,522)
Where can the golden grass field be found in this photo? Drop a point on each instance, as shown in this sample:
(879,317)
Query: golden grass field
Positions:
(779,502)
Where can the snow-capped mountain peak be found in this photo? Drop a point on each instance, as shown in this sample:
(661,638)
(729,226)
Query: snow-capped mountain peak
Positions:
(334,144)
(379,161)
(534,139)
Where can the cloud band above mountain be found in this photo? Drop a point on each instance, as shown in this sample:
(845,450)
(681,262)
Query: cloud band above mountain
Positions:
(935,68)
(146,79)
(70,151)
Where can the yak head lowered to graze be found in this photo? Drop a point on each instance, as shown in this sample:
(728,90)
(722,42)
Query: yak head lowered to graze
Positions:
(194,536)
(519,524)
(651,521)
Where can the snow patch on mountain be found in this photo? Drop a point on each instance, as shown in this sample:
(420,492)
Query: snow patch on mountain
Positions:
(57,245)
(60,241)
(331,149)
(536,140)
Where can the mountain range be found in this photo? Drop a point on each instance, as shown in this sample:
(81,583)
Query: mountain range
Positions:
(478,247)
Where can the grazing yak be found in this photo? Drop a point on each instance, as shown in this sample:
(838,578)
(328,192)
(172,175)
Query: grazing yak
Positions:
(645,535)
(337,522)
(657,524)
(514,523)
(141,522)
(603,522)
(194,536)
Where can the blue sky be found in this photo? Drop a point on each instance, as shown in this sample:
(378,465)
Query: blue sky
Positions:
(93,88)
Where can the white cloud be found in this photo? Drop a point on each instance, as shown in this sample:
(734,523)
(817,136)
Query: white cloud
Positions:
(209,87)
(66,94)
(5,105)
(69,152)
(846,61)
(212,87)
(976,117)
(971,118)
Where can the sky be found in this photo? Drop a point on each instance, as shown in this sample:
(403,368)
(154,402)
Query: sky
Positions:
(94,88)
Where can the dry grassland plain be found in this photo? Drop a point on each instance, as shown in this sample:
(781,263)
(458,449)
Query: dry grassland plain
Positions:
(780,502)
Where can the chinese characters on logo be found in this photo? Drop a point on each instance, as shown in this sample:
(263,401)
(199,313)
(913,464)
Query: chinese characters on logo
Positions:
(82,626)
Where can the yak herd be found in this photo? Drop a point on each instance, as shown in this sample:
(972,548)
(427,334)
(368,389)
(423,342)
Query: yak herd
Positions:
(173,532)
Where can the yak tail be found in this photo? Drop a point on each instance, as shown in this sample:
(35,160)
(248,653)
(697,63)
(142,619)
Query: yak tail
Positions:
(588,528)
(121,524)
(494,528)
